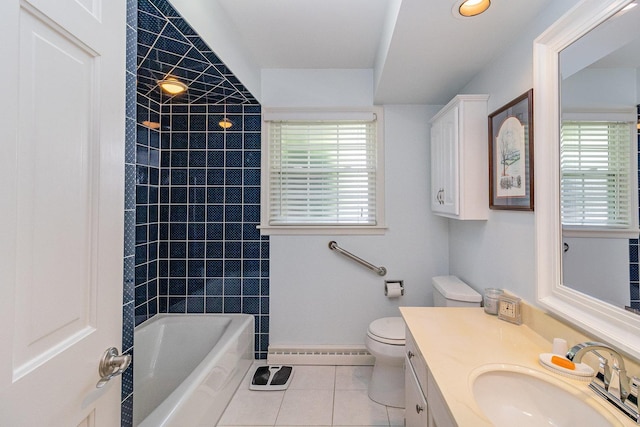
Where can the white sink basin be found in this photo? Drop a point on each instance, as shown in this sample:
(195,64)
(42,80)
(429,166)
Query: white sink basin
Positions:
(511,395)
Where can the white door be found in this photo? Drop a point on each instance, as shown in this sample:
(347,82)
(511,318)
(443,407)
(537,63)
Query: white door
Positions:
(61,209)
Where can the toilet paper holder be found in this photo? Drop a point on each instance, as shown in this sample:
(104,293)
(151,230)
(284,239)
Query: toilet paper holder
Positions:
(391,287)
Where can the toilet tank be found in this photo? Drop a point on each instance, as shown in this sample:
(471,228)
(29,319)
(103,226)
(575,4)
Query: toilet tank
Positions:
(449,291)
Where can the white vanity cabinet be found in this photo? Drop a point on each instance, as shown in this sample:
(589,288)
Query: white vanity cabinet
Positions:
(424,404)
(459,163)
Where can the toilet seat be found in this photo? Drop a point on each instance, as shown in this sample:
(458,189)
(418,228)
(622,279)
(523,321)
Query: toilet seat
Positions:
(388,330)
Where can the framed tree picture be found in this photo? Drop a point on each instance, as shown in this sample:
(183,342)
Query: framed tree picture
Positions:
(511,155)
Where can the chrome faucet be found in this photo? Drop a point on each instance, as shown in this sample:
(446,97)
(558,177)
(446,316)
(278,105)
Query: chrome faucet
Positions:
(611,383)
(616,381)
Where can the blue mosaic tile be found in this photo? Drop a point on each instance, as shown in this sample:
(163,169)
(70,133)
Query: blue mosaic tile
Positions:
(233,195)
(233,213)
(252,177)
(252,141)
(251,250)
(232,304)
(214,249)
(195,285)
(232,250)
(215,195)
(195,304)
(264,324)
(250,232)
(233,268)
(177,231)
(233,141)
(197,195)
(251,267)
(213,305)
(196,250)
(197,213)
(633,253)
(233,231)
(252,123)
(127,326)
(233,177)
(215,159)
(251,195)
(126,412)
(252,159)
(215,268)
(177,250)
(214,286)
(251,305)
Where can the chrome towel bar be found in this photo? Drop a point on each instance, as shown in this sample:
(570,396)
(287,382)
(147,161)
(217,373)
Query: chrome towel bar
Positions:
(381,271)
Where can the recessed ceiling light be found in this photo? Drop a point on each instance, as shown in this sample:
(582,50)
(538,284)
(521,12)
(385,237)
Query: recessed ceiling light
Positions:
(225,123)
(172,85)
(468,8)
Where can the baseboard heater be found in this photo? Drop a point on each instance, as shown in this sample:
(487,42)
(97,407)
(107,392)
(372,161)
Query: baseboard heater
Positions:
(319,355)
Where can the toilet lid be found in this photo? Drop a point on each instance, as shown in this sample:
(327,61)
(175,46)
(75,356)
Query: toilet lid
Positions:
(388,329)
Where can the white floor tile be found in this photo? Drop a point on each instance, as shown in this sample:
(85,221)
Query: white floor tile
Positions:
(306,408)
(319,396)
(354,408)
(353,377)
(252,408)
(313,378)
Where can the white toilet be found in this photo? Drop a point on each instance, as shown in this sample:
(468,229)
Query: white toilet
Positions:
(385,341)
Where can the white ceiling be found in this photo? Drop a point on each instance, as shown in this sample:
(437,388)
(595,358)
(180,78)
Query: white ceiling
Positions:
(418,50)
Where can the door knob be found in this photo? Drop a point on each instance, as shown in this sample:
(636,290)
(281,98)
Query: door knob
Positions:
(111,365)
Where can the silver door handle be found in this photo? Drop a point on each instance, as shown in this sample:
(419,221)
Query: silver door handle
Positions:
(112,365)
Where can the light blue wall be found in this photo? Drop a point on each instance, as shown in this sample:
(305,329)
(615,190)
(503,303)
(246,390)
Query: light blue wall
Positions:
(500,252)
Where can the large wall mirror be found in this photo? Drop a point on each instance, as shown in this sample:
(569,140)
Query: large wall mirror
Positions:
(586,89)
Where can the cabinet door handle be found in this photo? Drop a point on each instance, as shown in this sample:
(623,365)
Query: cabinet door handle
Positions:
(410,354)
(419,408)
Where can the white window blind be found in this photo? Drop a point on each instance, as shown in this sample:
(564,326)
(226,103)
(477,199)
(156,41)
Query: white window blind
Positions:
(322,173)
(596,173)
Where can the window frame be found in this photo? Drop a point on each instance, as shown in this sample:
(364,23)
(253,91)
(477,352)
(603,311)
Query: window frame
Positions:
(270,115)
(606,231)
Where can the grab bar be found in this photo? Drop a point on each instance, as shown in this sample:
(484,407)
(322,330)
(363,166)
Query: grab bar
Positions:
(381,271)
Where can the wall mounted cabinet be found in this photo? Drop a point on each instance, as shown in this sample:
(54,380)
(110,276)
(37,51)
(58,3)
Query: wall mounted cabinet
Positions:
(459,163)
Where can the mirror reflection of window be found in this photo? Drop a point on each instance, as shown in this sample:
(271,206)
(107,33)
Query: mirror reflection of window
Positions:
(596,175)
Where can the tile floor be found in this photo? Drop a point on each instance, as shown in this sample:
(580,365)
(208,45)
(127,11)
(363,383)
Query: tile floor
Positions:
(317,396)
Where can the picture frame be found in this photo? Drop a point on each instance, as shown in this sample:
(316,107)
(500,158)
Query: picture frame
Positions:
(511,185)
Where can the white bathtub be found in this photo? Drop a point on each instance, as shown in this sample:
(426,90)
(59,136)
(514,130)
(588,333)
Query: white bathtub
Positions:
(187,367)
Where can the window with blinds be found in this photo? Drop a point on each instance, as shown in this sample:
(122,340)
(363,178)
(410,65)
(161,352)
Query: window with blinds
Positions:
(322,173)
(596,174)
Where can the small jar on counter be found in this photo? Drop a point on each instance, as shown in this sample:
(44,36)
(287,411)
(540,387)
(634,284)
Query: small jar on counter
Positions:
(490,300)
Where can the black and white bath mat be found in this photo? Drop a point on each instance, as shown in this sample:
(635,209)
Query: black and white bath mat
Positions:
(271,378)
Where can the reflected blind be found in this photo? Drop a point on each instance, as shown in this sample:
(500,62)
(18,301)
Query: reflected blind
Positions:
(595,163)
(322,173)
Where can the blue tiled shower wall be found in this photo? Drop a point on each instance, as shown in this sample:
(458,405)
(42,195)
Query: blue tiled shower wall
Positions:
(197,246)
(634,272)
(211,257)
(192,189)
(128,303)
(147,190)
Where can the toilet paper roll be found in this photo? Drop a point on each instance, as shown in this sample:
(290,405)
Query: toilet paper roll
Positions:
(393,290)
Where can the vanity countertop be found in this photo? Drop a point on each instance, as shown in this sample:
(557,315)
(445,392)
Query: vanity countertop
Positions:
(455,341)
